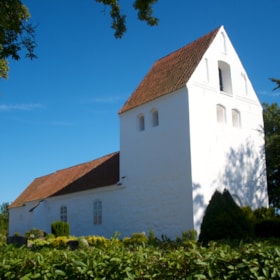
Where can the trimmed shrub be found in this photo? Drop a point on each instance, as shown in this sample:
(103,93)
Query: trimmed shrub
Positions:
(60,228)
(224,219)
(39,243)
(249,214)
(35,233)
(136,239)
(50,236)
(59,242)
(190,235)
(96,241)
(263,221)
(264,213)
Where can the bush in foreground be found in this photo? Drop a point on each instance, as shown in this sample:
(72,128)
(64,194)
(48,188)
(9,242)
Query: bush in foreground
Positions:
(60,228)
(224,219)
(188,261)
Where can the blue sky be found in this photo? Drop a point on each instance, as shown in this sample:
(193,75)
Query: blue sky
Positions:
(61,109)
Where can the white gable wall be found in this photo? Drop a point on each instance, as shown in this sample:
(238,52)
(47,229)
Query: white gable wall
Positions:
(224,156)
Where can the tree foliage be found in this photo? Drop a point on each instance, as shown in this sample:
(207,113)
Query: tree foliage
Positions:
(144,10)
(4,218)
(277,82)
(271,115)
(223,219)
(16,33)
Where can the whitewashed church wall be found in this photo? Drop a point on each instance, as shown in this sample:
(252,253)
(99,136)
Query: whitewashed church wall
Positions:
(155,166)
(224,156)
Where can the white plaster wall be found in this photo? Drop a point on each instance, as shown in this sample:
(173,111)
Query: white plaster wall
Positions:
(80,210)
(79,213)
(223,156)
(21,219)
(156,166)
(18,220)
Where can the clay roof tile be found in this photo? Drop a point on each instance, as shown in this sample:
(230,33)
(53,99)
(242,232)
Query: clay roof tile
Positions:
(101,172)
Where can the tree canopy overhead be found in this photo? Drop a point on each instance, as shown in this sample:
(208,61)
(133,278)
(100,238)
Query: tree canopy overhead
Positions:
(144,12)
(277,82)
(17,33)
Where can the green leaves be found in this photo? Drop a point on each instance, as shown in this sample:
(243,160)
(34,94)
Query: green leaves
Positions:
(218,261)
(144,11)
(16,33)
(219,221)
(277,82)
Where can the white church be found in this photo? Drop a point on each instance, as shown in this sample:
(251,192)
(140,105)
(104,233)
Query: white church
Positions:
(193,125)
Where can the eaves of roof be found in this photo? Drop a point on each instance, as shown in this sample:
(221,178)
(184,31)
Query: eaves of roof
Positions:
(100,172)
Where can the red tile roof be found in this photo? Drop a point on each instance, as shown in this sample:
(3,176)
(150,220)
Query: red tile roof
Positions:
(101,172)
(170,73)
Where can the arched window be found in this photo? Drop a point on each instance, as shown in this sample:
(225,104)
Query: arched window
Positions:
(141,122)
(236,120)
(63,214)
(224,77)
(221,113)
(97,212)
(155,119)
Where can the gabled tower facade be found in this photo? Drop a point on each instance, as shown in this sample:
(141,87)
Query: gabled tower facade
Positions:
(226,130)
(193,125)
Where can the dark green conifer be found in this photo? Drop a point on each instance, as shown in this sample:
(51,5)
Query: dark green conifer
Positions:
(223,219)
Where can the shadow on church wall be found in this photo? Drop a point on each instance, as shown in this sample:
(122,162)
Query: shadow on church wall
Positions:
(244,176)
(199,205)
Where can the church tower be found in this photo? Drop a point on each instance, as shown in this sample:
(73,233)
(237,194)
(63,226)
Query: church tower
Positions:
(191,127)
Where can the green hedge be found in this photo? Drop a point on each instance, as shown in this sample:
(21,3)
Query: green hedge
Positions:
(188,260)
